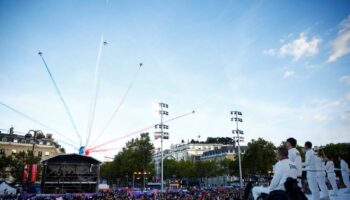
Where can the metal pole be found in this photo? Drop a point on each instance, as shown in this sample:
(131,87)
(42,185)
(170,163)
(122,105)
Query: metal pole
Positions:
(161,145)
(239,155)
(29,179)
(143,187)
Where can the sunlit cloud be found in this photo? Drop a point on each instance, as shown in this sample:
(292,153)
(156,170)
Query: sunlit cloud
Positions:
(301,47)
(320,117)
(288,73)
(341,44)
(345,79)
(345,116)
(297,48)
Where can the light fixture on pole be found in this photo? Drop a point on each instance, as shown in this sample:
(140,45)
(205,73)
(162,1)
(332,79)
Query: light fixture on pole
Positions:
(162,135)
(33,139)
(238,139)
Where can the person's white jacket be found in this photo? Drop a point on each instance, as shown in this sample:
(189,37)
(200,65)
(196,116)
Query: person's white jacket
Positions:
(321,177)
(331,176)
(294,156)
(310,161)
(344,167)
(310,166)
(283,169)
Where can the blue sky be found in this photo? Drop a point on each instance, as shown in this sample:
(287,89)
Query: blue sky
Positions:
(284,64)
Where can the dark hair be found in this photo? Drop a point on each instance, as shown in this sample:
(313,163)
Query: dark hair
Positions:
(321,153)
(283,151)
(292,141)
(329,157)
(308,144)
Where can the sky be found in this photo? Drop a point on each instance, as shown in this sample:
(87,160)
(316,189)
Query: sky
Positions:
(284,64)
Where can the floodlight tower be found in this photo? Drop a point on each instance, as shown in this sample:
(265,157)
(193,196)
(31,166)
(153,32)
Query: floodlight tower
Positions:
(239,139)
(162,135)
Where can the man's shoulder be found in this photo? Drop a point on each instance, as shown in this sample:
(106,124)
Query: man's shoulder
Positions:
(285,162)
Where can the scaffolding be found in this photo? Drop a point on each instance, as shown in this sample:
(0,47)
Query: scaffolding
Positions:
(70,173)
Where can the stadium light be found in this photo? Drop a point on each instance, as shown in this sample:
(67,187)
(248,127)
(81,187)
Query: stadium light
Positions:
(238,139)
(162,135)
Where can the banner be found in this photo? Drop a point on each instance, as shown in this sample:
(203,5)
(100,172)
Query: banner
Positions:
(34,173)
(27,170)
(25,173)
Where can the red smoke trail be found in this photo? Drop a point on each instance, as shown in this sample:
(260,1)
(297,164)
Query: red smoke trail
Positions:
(138,131)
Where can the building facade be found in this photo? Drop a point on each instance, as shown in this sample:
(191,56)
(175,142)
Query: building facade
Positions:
(194,152)
(44,145)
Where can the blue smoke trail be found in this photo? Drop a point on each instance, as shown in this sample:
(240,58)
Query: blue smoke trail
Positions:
(61,97)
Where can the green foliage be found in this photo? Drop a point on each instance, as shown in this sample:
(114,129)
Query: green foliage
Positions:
(229,167)
(334,150)
(17,163)
(259,157)
(135,157)
(214,140)
(219,140)
(188,169)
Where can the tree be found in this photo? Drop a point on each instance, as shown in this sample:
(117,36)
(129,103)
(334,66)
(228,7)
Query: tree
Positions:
(107,171)
(171,168)
(220,140)
(334,150)
(135,157)
(17,164)
(228,167)
(259,157)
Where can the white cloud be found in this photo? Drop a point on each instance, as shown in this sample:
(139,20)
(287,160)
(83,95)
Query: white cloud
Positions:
(345,79)
(300,47)
(324,103)
(347,96)
(345,115)
(288,73)
(320,117)
(269,52)
(341,44)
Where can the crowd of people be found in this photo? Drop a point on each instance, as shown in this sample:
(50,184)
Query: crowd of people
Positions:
(318,167)
(219,193)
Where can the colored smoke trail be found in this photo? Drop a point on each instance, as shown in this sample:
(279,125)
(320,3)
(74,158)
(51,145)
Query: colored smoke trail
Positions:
(61,97)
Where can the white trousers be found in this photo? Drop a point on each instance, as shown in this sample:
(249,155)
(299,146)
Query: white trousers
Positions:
(258,190)
(332,180)
(312,181)
(345,176)
(321,181)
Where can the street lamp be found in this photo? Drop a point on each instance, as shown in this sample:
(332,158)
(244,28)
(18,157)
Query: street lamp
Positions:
(239,139)
(32,141)
(162,135)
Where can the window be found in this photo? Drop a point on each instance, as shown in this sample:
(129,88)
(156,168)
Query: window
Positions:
(40,153)
(4,139)
(2,151)
(14,151)
(47,153)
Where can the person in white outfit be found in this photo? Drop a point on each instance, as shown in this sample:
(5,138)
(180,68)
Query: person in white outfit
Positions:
(284,168)
(329,165)
(310,167)
(295,157)
(345,173)
(321,174)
